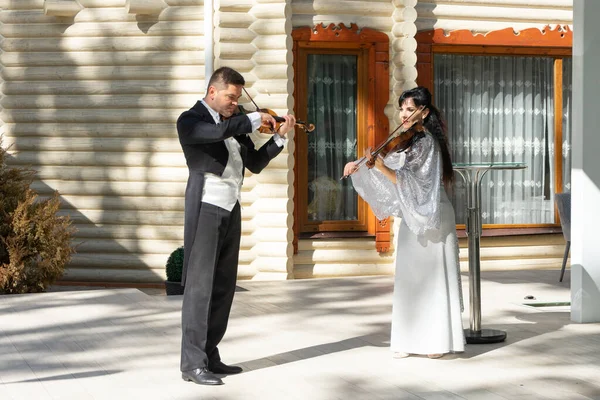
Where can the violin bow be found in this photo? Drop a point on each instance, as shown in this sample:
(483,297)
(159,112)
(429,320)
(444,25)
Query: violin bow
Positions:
(363,160)
(251,99)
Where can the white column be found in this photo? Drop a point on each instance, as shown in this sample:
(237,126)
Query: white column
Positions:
(209,45)
(585,208)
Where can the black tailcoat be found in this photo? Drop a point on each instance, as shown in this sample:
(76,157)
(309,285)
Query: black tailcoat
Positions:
(202,143)
(211,234)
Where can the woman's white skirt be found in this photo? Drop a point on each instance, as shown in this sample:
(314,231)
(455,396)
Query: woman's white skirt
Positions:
(427,301)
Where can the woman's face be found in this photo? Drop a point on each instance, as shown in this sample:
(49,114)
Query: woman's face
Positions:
(409,107)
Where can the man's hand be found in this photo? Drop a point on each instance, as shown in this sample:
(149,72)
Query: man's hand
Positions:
(287,126)
(267,120)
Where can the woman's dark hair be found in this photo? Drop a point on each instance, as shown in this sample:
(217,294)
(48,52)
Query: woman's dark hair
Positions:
(434,124)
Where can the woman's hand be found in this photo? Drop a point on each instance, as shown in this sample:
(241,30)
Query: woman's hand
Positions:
(378,163)
(370,160)
(350,168)
(385,170)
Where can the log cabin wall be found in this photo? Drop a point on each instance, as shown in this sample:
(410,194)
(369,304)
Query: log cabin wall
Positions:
(484,16)
(91,90)
(91,93)
(90,101)
(254,37)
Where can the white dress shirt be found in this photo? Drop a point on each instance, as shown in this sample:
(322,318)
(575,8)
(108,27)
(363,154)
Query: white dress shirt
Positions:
(225,190)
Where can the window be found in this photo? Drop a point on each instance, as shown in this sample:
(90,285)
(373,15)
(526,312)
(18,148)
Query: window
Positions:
(332,84)
(507,103)
(341,86)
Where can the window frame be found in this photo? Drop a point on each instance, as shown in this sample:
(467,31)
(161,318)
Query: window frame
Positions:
(372,48)
(547,42)
(305,225)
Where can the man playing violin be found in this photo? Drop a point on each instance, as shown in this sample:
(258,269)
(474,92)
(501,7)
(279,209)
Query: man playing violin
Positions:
(217,150)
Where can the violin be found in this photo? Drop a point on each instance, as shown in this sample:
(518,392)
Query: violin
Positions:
(279,120)
(398,140)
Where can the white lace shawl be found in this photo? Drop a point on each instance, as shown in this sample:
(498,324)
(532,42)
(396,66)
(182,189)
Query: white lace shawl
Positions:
(416,195)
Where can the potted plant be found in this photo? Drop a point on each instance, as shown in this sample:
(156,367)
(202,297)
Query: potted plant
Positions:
(174,269)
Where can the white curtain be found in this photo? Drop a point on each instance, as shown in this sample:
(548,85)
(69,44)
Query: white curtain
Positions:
(332,89)
(501,109)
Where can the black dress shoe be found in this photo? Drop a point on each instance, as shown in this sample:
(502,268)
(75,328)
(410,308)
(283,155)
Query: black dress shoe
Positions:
(218,367)
(201,376)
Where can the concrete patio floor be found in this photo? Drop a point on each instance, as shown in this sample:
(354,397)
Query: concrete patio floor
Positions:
(303,339)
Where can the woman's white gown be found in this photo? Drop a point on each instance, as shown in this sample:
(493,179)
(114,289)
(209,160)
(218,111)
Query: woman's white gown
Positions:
(427,300)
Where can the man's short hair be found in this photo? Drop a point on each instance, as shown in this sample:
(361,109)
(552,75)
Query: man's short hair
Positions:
(226,76)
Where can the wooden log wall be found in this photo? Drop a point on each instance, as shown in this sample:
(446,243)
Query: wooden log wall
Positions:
(273,88)
(253,36)
(91,91)
(90,102)
(483,16)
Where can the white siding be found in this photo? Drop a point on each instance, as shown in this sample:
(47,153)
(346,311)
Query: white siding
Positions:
(253,36)
(91,103)
(490,15)
(374,14)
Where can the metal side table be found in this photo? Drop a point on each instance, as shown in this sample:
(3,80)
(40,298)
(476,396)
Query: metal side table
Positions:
(472,175)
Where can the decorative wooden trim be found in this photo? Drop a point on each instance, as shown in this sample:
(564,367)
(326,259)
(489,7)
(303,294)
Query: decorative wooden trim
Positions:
(382,235)
(381,132)
(295,96)
(145,7)
(62,8)
(531,41)
(377,44)
(558,129)
(560,36)
(338,33)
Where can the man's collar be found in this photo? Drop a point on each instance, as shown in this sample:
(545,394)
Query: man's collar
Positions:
(212,112)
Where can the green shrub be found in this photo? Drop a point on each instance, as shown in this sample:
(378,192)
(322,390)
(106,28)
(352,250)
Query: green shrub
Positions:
(175,265)
(35,243)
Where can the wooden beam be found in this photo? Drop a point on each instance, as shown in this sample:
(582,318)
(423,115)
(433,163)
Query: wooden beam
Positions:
(62,8)
(145,7)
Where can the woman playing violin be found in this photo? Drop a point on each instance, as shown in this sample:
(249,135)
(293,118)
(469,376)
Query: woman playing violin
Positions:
(410,184)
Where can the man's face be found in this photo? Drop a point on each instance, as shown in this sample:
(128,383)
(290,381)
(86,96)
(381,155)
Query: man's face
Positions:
(224,98)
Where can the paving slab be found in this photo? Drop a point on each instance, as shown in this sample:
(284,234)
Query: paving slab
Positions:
(303,339)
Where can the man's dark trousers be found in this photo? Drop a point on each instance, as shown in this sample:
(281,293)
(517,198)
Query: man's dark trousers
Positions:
(209,285)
